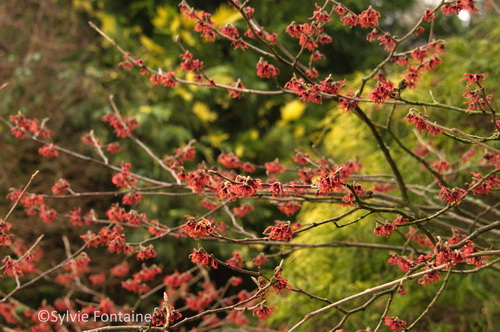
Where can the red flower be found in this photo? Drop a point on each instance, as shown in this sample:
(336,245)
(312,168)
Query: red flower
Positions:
(279,283)
(486,186)
(388,41)
(289,208)
(200,256)
(382,92)
(320,15)
(473,78)
(369,18)
(259,260)
(97,279)
(146,253)
(384,230)
(263,311)
(265,70)
(124,178)
(229,160)
(197,180)
(280,232)
(243,210)
(208,204)
(60,187)
(429,15)
(147,273)
(49,151)
(329,183)
(236,260)
(420,122)
(198,228)
(247,167)
(135,286)
(176,279)
(235,93)
(131,198)
(123,125)
(274,167)
(452,196)
(246,186)
(350,19)
(229,31)
(5,239)
(47,215)
(395,323)
(120,270)
(165,79)
(113,148)
(430,278)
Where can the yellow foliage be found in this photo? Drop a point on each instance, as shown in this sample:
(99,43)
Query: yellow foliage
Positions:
(151,45)
(217,139)
(299,131)
(161,19)
(185,94)
(83,4)
(293,110)
(254,134)
(145,109)
(240,149)
(225,15)
(108,24)
(203,112)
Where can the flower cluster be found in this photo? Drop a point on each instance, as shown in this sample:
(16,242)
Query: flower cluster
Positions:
(24,125)
(452,196)
(420,121)
(124,126)
(201,257)
(198,228)
(281,231)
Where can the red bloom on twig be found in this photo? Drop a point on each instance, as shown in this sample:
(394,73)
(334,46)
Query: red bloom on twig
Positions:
(263,311)
(201,257)
(452,196)
(266,70)
(280,232)
(395,323)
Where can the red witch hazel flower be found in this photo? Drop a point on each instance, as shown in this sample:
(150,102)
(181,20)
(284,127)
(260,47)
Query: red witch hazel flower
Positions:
(265,70)
(420,122)
(486,186)
(280,232)
(369,18)
(235,93)
(384,230)
(236,260)
(124,178)
(289,208)
(279,283)
(274,167)
(320,15)
(395,323)
(259,260)
(330,183)
(60,187)
(452,196)
(146,253)
(201,257)
(229,160)
(263,311)
(123,125)
(198,228)
(48,150)
(243,210)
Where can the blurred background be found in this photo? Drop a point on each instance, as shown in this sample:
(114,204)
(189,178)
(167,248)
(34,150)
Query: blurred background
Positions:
(58,68)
